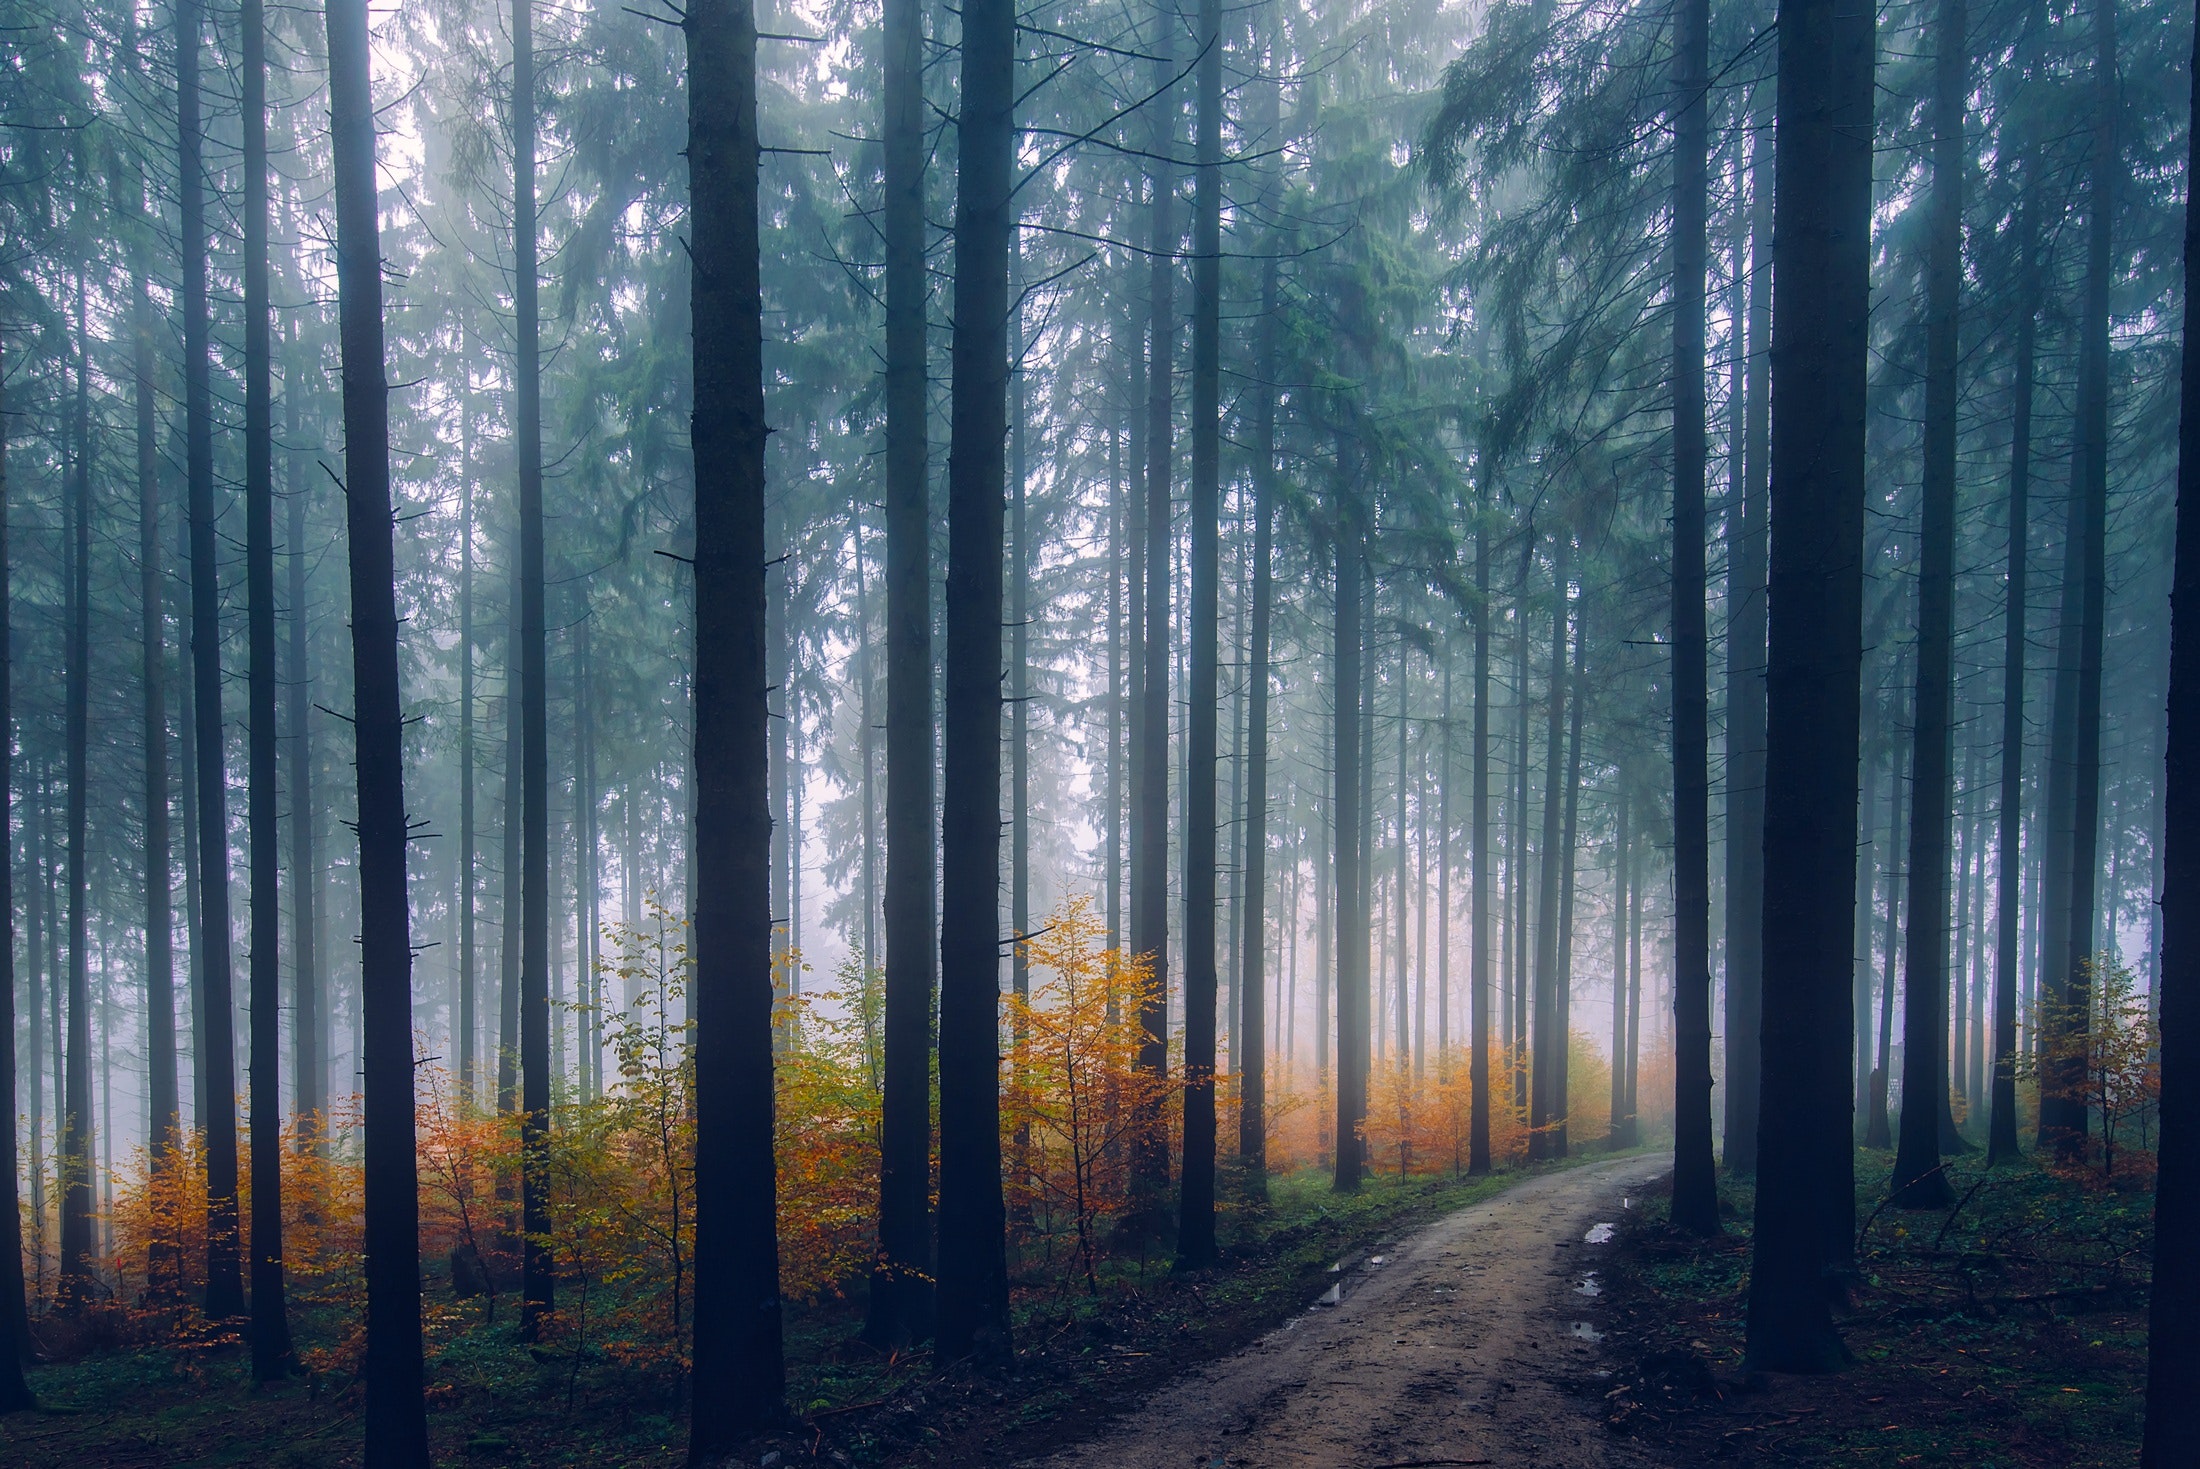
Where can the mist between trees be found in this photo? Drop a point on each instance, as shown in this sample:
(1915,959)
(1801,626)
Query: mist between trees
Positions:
(961,632)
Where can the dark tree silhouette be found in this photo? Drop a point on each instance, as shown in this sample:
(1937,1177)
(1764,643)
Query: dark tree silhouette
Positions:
(396,1414)
(739,1372)
(1150,783)
(1253,976)
(164,1253)
(901,1289)
(215,1055)
(2001,1139)
(538,1274)
(1478,961)
(973,1274)
(1695,1185)
(2173,1349)
(15,1334)
(1745,682)
(78,1187)
(1919,1182)
(1821,278)
(1195,1245)
(1353,1031)
(271,1356)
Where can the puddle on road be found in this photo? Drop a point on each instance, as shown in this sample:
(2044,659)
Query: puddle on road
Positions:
(1583,1331)
(1599,1234)
(1589,1285)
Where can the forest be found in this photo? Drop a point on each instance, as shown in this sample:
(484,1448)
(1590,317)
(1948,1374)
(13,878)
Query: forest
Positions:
(894,733)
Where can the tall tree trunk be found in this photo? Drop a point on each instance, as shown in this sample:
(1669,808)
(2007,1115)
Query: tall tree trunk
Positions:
(1695,1187)
(1860,983)
(538,1274)
(216,1057)
(77,1123)
(1567,876)
(1112,839)
(1745,687)
(15,1335)
(508,958)
(1918,1180)
(1253,1078)
(1195,1245)
(1149,832)
(271,1356)
(1877,1131)
(469,1022)
(973,1261)
(1019,654)
(1019,722)
(164,1261)
(396,1415)
(1620,1135)
(2001,1137)
(1401,955)
(1482,854)
(1443,874)
(309,1027)
(2063,1117)
(1516,867)
(1352,978)
(2173,1351)
(1544,1106)
(739,1372)
(901,1279)
(1821,287)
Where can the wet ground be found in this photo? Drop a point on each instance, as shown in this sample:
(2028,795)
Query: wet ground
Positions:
(1476,1340)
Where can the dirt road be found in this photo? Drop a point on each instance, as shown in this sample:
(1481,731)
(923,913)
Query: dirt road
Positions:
(1450,1348)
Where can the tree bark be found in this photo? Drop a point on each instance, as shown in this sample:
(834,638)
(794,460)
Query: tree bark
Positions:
(739,1373)
(1821,288)
(1568,845)
(901,1279)
(77,1122)
(15,1336)
(216,1058)
(2173,1351)
(538,1275)
(1695,1186)
(1195,1245)
(1918,1180)
(2001,1137)
(1482,853)
(1149,831)
(973,1263)
(1253,1080)
(271,1353)
(164,1262)
(309,1027)
(1545,1108)
(1620,1134)
(469,1023)
(2063,1117)
(396,1415)
(1745,693)
(1352,978)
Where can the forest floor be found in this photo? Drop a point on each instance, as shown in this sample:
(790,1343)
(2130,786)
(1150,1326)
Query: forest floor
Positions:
(1465,1343)
(2009,1332)
(1083,1360)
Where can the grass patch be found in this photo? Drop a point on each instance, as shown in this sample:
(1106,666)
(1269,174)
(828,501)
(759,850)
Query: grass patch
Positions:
(2010,1331)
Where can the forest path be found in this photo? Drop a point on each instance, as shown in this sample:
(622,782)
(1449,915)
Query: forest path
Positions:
(1453,1347)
